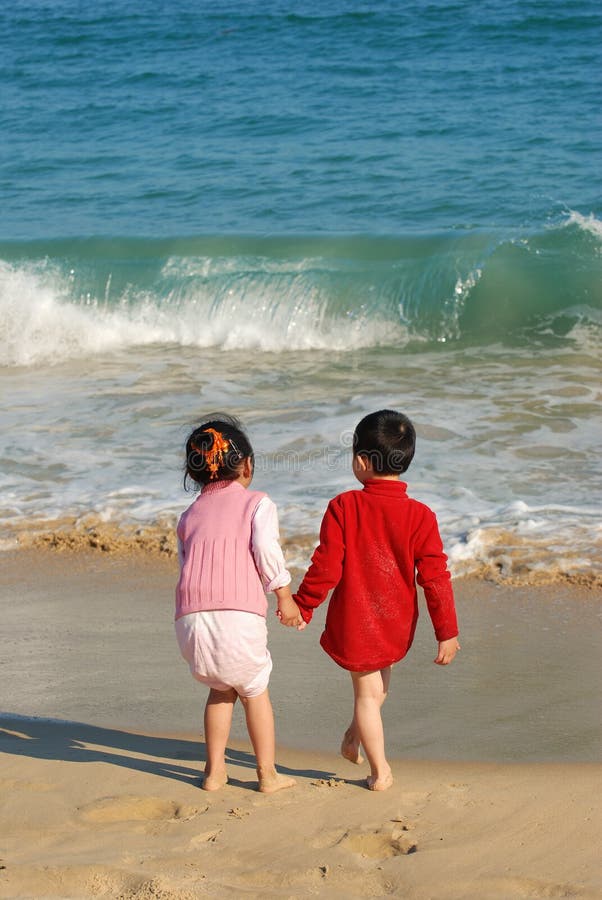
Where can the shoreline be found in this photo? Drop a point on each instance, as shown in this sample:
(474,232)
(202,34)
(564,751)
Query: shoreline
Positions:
(518,566)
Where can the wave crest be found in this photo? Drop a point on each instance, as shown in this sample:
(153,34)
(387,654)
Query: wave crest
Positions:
(589,224)
(42,322)
(72,299)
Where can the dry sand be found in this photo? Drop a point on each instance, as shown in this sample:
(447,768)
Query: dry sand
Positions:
(95,807)
(94,812)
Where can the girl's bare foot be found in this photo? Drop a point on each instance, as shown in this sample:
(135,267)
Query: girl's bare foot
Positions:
(380,783)
(350,748)
(214,781)
(272,781)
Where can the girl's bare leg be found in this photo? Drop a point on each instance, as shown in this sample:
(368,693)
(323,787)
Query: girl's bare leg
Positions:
(370,691)
(260,725)
(218,719)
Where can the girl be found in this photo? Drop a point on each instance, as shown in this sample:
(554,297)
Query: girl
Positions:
(230,555)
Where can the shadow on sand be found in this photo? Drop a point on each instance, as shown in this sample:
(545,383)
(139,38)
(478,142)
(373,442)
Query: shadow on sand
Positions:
(166,757)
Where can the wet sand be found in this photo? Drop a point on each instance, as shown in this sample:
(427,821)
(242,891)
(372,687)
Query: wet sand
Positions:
(99,647)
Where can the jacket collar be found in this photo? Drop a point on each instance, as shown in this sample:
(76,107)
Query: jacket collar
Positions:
(385,487)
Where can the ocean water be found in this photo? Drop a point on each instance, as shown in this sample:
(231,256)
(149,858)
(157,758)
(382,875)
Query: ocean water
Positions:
(299,213)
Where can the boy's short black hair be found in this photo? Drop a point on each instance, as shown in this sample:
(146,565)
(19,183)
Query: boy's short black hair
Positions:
(387,439)
(200,442)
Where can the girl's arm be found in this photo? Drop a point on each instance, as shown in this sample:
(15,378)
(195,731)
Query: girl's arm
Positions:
(265,546)
(288,611)
(269,559)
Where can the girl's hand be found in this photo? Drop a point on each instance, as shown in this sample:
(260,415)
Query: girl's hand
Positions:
(291,621)
(447,651)
(288,611)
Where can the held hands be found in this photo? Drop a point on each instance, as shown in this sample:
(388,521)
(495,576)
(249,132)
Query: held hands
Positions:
(295,621)
(291,619)
(447,651)
(288,611)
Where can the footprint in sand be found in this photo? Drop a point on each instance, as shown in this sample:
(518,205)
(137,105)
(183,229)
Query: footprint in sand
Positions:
(155,888)
(329,782)
(325,839)
(238,813)
(137,809)
(381,843)
(206,837)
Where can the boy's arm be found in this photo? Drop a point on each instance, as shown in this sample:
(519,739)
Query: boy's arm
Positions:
(434,578)
(326,566)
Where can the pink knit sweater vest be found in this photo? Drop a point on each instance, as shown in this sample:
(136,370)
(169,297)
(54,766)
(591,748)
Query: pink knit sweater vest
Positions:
(218,570)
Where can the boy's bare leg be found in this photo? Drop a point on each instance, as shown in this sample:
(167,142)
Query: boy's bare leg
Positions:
(350,746)
(260,725)
(370,690)
(218,720)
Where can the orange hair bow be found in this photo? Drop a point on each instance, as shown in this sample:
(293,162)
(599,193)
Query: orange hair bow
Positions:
(214,457)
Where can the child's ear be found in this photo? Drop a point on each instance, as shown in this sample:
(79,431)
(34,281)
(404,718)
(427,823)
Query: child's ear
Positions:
(362,463)
(247,467)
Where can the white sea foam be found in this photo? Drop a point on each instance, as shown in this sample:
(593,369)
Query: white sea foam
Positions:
(517,537)
(586,223)
(42,323)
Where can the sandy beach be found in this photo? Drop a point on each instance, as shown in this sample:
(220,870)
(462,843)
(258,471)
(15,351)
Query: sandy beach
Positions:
(497,780)
(298,215)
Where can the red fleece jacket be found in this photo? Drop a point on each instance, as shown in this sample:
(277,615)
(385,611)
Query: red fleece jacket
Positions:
(372,544)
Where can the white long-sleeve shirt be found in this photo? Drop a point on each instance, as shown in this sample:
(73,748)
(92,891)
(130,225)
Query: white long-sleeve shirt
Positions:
(265,546)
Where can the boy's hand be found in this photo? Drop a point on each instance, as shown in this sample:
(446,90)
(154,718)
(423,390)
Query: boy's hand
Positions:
(447,651)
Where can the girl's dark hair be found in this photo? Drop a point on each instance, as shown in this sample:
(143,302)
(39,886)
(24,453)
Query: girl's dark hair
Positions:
(388,440)
(203,463)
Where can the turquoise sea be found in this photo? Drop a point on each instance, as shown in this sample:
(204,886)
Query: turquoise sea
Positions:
(299,213)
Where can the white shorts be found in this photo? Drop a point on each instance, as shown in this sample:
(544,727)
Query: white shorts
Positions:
(226,648)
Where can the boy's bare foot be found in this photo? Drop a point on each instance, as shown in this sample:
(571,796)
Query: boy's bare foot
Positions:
(214,781)
(350,748)
(270,782)
(382,783)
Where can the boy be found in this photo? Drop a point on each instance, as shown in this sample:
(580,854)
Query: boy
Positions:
(372,544)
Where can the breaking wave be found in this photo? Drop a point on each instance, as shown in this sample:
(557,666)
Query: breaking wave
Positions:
(67,299)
